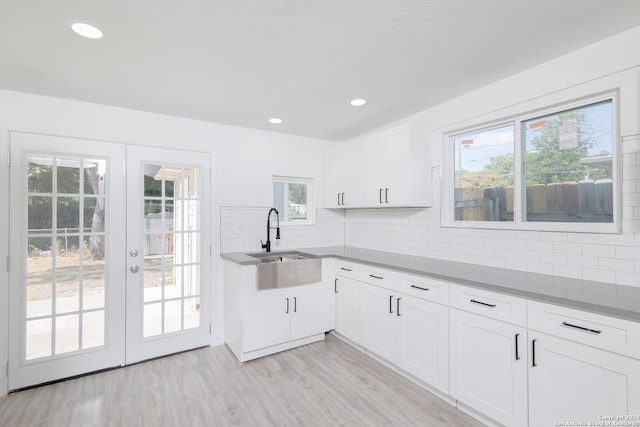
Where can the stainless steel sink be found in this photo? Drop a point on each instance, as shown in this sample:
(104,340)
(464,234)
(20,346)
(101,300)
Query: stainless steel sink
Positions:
(286,269)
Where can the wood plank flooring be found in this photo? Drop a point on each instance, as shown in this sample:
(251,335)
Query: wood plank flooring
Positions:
(323,384)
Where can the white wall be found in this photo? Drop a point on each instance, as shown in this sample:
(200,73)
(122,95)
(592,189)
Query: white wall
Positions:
(614,258)
(244,161)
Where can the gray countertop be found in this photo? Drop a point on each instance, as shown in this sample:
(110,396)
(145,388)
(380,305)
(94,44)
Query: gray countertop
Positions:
(604,298)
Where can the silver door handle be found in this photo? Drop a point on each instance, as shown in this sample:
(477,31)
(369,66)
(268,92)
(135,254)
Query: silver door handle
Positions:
(134,268)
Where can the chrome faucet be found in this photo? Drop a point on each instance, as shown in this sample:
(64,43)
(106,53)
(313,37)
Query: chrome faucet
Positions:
(267,245)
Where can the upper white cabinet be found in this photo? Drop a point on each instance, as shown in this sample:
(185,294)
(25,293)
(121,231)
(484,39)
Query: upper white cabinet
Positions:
(390,168)
(344,177)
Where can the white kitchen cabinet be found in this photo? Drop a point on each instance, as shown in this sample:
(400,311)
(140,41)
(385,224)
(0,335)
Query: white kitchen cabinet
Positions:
(347,308)
(423,340)
(258,323)
(267,321)
(309,309)
(379,323)
(390,168)
(489,367)
(407,331)
(344,177)
(583,365)
(569,381)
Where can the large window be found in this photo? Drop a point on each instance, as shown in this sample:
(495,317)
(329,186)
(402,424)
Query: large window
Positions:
(293,198)
(540,171)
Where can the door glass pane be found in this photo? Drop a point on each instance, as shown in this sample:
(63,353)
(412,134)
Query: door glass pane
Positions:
(67,333)
(39,338)
(172,251)
(67,294)
(65,254)
(93,329)
(68,172)
(39,296)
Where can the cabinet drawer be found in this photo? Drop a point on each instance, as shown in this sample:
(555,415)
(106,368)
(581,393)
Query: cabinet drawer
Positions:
(608,333)
(424,288)
(347,269)
(491,304)
(378,276)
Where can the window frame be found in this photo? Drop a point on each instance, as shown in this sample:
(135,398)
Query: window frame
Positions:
(311,205)
(516,119)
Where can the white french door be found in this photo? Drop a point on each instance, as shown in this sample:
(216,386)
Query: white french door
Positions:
(167,252)
(80,301)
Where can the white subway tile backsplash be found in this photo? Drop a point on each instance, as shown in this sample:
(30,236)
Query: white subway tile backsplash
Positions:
(242,228)
(617,265)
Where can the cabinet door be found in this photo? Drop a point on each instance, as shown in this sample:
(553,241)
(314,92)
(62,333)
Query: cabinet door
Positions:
(266,322)
(309,310)
(486,375)
(354,176)
(378,321)
(423,341)
(574,382)
(398,187)
(377,169)
(348,309)
(335,179)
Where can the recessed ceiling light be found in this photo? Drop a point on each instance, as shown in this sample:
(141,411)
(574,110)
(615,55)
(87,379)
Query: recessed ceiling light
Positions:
(358,102)
(86,30)
(275,121)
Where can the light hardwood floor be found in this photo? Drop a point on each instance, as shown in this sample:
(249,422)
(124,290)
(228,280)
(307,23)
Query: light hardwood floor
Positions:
(323,384)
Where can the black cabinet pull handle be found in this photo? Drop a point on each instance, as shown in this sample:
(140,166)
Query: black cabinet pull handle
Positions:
(418,287)
(338,199)
(386,195)
(345,269)
(517,352)
(582,328)
(380,195)
(391,304)
(287,305)
(342,199)
(398,307)
(376,277)
(482,303)
(335,286)
(295,304)
(533,353)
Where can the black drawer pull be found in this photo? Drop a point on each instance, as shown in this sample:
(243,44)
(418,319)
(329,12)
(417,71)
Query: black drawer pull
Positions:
(517,350)
(398,306)
(376,277)
(483,303)
(345,269)
(418,287)
(391,304)
(582,328)
(335,286)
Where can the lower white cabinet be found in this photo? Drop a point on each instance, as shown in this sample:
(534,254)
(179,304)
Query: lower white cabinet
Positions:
(423,340)
(272,320)
(379,324)
(574,382)
(489,367)
(347,308)
(409,332)
(258,323)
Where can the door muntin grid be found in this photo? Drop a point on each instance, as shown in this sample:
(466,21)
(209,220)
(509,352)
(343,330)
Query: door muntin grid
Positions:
(171,255)
(65,270)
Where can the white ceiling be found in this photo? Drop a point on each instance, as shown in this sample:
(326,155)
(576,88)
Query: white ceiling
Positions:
(241,62)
